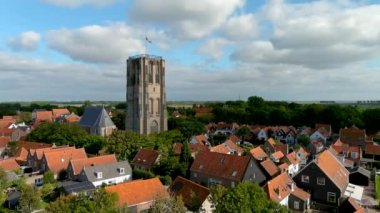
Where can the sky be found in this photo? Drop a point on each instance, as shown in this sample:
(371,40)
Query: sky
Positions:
(293,50)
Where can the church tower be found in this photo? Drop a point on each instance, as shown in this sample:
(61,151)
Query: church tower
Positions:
(146,97)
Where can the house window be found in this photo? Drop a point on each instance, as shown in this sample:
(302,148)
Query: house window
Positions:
(321,181)
(121,170)
(195,175)
(296,205)
(331,197)
(305,178)
(232,184)
(353,155)
(99,175)
(234,174)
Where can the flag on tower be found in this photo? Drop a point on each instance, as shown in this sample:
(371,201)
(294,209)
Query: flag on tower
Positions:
(146,39)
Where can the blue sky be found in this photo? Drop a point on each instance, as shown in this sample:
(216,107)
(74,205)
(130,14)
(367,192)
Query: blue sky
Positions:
(215,50)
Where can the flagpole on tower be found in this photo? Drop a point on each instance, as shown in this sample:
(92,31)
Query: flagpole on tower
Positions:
(146,44)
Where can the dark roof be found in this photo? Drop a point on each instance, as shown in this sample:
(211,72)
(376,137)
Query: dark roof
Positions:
(109,171)
(361,170)
(76,187)
(187,189)
(95,117)
(220,165)
(146,157)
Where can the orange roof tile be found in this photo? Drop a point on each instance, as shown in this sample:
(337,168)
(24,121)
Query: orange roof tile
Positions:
(331,166)
(258,153)
(6,132)
(9,164)
(230,167)
(58,112)
(42,116)
(303,151)
(187,189)
(301,194)
(4,141)
(72,118)
(372,148)
(138,191)
(270,167)
(277,155)
(79,164)
(227,147)
(59,159)
(40,152)
(234,139)
(5,123)
(283,167)
(293,158)
(146,156)
(201,139)
(33,145)
(282,186)
(272,142)
(353,136)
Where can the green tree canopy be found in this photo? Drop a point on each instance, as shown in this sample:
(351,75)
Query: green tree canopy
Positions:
(245,197)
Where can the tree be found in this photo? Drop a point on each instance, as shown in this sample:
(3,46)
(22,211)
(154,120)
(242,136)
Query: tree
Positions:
(142,174)
(244,132)
(48,177)
(303,140)
(170,204)
(30,198)
(256,102)
(246,197)
(187,126)
(100,201)
(185,156)
(118,118)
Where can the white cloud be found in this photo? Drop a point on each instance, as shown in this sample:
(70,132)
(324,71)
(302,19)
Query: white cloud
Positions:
(25,79)
(189,19)
(78,3)
(104,44)
(240,27)
(318,35)
(27,41)
(213,47)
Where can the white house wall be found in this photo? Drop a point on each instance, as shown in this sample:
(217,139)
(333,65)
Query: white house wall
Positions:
(115,180)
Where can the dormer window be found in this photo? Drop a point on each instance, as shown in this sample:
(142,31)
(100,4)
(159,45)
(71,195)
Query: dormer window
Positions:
(121,170)
(234,173)
(99,175)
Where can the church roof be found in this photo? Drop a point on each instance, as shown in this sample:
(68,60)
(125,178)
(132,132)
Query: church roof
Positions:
(96,117)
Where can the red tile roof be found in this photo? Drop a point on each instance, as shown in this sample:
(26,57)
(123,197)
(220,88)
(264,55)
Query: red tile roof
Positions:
(6,132)
(201,139)
(281,147)
(9,164)
(25,146)
(187,189)
(79,164)
(59,159)
(331,166)
(258,153)
(304,152)
(283,167)
(301,194)
(270,167)
(4,141)
(146,157)
(282,186)
(293,158)
(40,152)
(277,155)
(234,139)
(230,167)
(58,112)
(352,136)
(72,118)
(138,191)
(227,147)
(5,123)
(372,148)
(44,116)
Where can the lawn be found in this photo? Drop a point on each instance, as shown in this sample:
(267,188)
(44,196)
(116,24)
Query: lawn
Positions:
(377,185)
